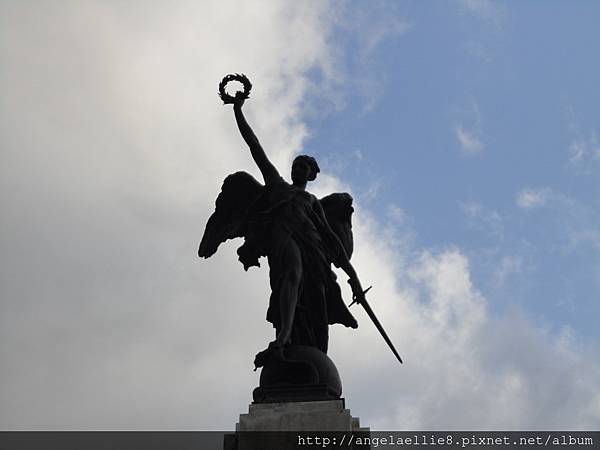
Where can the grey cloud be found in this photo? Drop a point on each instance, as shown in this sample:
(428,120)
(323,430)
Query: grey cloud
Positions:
(114,149)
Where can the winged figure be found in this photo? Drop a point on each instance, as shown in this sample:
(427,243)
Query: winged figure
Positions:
(300,235)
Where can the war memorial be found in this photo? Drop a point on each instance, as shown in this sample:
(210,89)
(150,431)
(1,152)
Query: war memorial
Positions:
(301,237)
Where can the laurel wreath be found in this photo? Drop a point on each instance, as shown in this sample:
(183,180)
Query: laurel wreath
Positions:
(234,77)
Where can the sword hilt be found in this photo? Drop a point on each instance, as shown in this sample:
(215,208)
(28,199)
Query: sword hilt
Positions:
(354,297)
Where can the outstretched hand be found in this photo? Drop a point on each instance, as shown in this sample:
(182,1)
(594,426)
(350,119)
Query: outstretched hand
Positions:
(239,99)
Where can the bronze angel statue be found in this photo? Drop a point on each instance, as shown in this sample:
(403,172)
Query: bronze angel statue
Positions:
(300,235)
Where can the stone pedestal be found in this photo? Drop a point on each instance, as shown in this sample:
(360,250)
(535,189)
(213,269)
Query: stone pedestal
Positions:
(281,425)
(297,404)
(329,415)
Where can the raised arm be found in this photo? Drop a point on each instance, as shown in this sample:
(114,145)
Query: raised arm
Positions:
(268,170)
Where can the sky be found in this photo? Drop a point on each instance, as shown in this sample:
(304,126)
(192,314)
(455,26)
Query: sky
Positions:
(467,132)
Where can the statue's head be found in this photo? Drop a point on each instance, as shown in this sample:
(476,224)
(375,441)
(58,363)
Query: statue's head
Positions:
(304,168)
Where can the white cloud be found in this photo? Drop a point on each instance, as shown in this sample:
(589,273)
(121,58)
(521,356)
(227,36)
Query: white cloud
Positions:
(471,209)
(464,368)
(484,219)
(114,148)
(372,191)
(491,17)
(532,198)
(470,138)
(397,213)
(576,222)
(509,264)
(367,26)
(584,148)
(487,10)
(584,152)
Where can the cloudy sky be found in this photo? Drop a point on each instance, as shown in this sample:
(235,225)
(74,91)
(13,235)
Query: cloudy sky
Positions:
(467,132)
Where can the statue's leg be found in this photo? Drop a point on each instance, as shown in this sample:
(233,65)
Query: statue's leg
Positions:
(289,262)
(291,266)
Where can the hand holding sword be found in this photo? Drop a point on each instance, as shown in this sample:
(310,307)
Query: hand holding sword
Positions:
(359,297)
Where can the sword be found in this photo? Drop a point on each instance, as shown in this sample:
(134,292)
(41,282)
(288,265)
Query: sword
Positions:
(375,320)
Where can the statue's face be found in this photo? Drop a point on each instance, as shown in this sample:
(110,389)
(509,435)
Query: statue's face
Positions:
(301,172)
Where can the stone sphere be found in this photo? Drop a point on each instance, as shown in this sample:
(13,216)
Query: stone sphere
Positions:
(305,365)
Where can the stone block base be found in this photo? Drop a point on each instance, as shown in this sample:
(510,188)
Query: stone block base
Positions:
(274,425)
(300,393)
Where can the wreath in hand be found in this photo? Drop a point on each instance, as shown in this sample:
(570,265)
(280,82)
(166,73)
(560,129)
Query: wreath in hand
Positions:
(239,94)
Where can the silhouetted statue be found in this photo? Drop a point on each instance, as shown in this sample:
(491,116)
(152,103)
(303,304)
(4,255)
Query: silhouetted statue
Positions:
(300,235)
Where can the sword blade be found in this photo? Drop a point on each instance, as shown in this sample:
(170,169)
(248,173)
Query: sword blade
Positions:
(375,320)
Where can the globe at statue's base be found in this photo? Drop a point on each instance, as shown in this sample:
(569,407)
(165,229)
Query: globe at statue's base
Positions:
(306,374)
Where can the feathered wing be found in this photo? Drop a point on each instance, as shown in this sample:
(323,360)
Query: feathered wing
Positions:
(338,211)
(239,191)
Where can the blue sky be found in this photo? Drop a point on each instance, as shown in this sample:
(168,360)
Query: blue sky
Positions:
(518,82)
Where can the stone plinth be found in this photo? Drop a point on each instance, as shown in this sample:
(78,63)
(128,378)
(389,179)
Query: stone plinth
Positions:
(329,415)
(280,425)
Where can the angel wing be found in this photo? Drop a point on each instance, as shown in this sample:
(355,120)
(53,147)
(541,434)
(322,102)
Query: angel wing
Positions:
(338,211)
(239,191)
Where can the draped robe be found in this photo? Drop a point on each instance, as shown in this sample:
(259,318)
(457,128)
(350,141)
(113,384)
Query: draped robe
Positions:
(284,212)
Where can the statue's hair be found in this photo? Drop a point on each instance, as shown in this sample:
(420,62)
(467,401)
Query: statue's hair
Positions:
(312,162)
